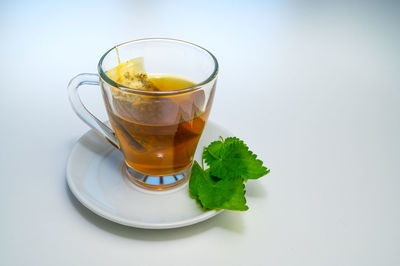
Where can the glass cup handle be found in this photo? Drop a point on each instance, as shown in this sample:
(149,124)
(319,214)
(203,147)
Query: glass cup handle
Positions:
(82,112)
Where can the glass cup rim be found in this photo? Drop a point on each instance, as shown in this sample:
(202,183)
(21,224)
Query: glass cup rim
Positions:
(184,90)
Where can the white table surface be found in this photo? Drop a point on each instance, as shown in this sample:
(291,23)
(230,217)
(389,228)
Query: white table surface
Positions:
(313,88)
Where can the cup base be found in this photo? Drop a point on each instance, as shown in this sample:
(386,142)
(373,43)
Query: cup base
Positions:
(157,182)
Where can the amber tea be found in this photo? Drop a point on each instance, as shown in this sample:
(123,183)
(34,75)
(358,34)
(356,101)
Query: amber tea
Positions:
(158,135)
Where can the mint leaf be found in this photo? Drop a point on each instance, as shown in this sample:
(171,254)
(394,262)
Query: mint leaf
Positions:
(231,157)
(214,193)
(195,181)
(222,185)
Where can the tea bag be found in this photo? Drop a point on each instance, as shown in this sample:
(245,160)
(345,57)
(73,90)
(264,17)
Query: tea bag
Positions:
(133,112)
(131,74)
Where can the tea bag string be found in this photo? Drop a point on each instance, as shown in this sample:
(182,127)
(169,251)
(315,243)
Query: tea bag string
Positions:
(116,49)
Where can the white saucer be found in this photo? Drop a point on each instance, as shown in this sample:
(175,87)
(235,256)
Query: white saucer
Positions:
(95,177)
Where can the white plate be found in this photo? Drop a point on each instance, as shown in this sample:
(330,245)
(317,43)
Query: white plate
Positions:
(95,177)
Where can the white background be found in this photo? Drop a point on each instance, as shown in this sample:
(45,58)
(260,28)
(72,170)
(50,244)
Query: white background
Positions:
(312,87)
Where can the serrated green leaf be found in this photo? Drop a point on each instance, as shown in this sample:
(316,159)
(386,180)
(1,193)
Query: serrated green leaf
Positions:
(231,157)
(222,185)
(215,193)
(195,180)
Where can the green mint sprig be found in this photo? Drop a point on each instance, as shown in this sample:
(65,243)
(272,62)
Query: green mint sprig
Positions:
(221,186)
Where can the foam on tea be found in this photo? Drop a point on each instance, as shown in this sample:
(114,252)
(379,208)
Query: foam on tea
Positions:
(158,134)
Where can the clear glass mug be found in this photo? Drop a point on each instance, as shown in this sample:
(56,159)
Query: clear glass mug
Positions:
(157,131)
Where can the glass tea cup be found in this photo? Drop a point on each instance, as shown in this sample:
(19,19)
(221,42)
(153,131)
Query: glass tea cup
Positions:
(156,130)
